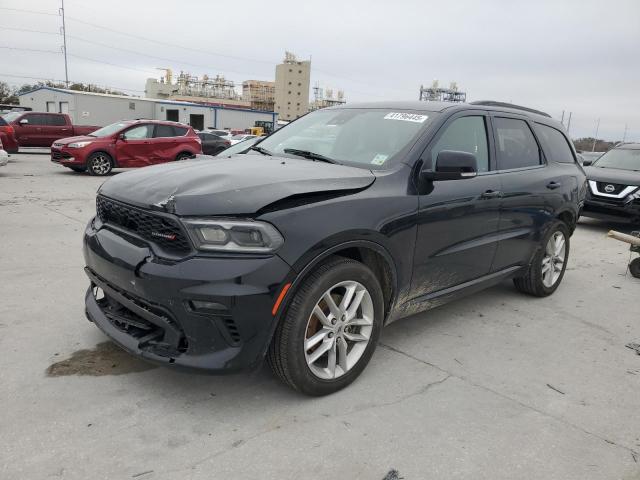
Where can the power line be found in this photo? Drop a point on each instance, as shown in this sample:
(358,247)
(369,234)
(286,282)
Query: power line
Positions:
(35,12)
(21,49)
(54,80)
(30,31)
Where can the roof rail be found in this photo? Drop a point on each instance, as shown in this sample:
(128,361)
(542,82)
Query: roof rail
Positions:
(491,103)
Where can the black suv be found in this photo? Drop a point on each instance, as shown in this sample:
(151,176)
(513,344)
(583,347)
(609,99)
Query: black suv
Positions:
(614,185)
(339,223)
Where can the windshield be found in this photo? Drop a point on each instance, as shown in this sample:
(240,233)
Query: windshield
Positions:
(11,116)
(109,129)
(620,158)
(238,147)
(361,137)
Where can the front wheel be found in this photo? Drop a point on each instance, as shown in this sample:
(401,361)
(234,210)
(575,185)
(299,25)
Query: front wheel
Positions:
(330,330)
(549,264)
(184,156)
(99,164)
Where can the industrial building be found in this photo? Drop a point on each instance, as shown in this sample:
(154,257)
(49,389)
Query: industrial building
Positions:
(88,108)
(292,87)
(260,94)
(436,93)
(323,98)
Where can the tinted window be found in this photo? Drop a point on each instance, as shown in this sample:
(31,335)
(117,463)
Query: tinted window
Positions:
(164,131)
(136,133)
(57,120)
(466,134)
(554,144)
(180,131)
(208,137)
(2,122)
(36,119)
(516,145)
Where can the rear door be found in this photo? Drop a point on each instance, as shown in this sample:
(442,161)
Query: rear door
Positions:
(530,197)
(457,219)
(136,149)
(164,143)
(57,127)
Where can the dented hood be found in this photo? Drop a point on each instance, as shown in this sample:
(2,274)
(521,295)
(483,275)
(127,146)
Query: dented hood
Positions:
(238,185)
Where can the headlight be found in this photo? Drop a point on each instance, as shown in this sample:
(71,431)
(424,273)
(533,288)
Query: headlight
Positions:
(241,236)
(78,144)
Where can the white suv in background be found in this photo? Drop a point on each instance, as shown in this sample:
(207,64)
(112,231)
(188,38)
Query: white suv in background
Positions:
(219,133)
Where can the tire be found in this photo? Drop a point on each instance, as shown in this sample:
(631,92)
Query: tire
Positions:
(634,267)
(288,356)
(78,169)
(99,164)
(536,282)
(184,156)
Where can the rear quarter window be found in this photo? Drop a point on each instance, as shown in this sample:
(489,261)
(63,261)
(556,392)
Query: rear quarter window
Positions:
(554,144)
(180,131)
(56,120)
(515,144)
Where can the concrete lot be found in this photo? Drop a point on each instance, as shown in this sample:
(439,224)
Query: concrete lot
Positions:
(496,386)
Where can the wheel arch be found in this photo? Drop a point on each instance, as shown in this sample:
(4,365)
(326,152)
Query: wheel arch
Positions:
(569,218)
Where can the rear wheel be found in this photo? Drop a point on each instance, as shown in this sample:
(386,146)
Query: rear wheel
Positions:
(634,267)
(330,330)
(549,264)
(100,164)
(184,156)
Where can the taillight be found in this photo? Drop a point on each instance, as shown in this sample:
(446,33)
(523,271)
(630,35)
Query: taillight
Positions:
(227,143)
(7,129)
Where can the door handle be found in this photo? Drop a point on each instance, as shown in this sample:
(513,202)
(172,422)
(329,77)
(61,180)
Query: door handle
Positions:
(491,194)
(553,185)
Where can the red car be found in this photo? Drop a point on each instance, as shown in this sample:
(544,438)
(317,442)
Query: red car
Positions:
(41,129)
(126,144)
(8,137)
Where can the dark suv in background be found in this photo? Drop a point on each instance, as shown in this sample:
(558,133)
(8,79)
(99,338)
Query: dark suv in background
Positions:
(341,222)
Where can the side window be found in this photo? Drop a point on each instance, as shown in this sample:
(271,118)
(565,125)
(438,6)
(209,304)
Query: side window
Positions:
(139,132)
(515,143)
(554,143)
(466,134)
(36,119)
(164,131)
(180,131)
(57,120)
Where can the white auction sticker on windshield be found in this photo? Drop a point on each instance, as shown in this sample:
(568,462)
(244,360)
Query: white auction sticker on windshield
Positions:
(406,117)
(379,159)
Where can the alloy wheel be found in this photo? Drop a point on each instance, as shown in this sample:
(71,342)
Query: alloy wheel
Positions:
(553,259)
(101,165)
(338,330)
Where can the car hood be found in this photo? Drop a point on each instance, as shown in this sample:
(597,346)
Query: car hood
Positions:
(237,185)
(82,138)
(613,175)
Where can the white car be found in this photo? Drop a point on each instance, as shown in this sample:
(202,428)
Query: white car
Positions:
(241,138)
(4,156)
(219,133)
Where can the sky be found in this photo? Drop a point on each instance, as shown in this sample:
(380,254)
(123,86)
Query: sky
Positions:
(577,56)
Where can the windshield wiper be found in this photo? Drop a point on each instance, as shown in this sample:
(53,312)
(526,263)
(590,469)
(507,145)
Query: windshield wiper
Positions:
(261,150)
(309,155)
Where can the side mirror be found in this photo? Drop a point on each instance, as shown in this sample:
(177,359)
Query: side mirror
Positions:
(587,163)
(122,137)
(23,121)
(453,165)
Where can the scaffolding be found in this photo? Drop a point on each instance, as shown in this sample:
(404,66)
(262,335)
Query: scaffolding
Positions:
(435,93)
(323,98)
(260,94)
(189,85)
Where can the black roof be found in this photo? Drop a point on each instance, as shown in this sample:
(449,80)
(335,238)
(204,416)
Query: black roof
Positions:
(490,105)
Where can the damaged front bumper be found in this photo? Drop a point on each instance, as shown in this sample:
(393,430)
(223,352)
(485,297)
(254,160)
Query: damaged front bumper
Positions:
(206,313)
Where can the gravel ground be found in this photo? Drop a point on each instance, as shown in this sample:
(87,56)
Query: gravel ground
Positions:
(495,386)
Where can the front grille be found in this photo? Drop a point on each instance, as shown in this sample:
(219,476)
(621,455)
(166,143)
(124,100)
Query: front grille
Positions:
(617,188)
(160,230)
(56,155)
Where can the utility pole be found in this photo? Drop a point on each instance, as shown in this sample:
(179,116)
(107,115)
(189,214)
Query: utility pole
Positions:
(562,119)
(624,137)
(64,48)
(595,138)
(569,122)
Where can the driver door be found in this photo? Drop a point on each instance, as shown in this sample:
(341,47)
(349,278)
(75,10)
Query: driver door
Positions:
(136,149)
(457,219)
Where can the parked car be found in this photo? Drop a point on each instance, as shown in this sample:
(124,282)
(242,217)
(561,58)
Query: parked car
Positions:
(242,147)
(41,129)
(4,156)
(220,133)
(591,156)
(127,144)
(8,137)
(241,138)
(212,144)
(303,249)
(614,185)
